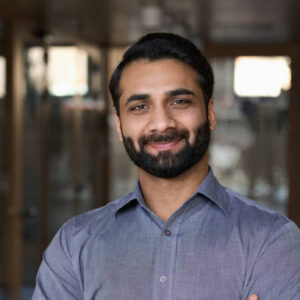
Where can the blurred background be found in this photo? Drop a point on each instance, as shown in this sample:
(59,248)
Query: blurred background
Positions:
(59,155)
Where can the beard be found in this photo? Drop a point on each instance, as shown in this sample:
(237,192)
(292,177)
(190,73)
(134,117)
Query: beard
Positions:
(166,164)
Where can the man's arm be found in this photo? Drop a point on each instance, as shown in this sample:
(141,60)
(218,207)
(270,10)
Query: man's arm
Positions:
(275,273)
(56,278)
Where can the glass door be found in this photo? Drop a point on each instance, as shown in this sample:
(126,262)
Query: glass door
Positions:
(249,148)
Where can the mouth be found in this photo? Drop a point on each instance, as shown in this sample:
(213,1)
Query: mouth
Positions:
(165,145)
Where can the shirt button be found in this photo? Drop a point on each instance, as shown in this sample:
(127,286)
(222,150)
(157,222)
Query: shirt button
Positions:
(167,232)
(163,279)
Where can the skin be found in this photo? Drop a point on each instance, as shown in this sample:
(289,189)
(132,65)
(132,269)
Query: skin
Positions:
(254,297)
(155,97)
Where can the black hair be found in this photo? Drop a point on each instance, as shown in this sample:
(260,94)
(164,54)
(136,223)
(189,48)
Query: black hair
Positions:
(156,46)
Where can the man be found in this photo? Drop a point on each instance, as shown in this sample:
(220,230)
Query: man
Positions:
(180,234)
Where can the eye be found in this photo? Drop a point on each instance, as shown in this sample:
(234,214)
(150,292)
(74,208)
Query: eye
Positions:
(181,102)
(139,107)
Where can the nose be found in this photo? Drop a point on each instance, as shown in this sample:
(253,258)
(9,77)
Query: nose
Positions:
(161,120)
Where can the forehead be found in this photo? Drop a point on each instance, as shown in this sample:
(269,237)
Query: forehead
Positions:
(160,74)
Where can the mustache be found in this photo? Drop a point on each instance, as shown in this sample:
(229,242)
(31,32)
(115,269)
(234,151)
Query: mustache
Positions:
(170,135)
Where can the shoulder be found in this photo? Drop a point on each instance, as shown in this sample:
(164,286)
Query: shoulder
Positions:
(259,222)
(240,211)
(271,247)
(239,204)
(95,221)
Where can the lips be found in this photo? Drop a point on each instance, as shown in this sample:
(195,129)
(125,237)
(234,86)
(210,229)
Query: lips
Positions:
(164,142)
(164,145)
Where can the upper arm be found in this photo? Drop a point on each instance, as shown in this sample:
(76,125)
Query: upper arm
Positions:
(276,271)
(56,278)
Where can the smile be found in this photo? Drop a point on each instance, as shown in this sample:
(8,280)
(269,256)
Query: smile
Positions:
(165,145)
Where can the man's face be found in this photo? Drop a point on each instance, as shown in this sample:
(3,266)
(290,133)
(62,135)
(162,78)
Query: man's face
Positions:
(163,122)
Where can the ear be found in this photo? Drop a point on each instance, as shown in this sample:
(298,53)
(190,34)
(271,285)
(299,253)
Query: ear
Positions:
(118,127)
(212,118)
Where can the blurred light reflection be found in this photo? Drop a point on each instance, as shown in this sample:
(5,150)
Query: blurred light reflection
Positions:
(261,76)
(2,76)
(67,72)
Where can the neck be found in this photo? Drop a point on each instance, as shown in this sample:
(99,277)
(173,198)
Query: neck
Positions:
(166,195)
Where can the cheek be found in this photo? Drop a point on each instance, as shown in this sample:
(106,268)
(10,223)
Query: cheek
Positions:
(192,121)
(192,136)
(132,130)
(192,124)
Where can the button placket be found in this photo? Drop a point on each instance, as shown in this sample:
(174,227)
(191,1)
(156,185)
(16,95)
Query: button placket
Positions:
(165,263)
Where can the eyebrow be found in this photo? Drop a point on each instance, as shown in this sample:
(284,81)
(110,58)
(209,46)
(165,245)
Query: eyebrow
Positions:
(179,92)
(136,97)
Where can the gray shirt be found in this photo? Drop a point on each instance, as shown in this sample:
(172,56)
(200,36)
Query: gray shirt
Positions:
(217,245)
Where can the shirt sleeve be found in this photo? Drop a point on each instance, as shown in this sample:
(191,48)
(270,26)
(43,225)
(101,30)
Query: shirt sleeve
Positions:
(56,278)
(276,271)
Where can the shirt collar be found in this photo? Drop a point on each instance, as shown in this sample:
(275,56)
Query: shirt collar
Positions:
(134,197)
(214,191)
(210,188)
